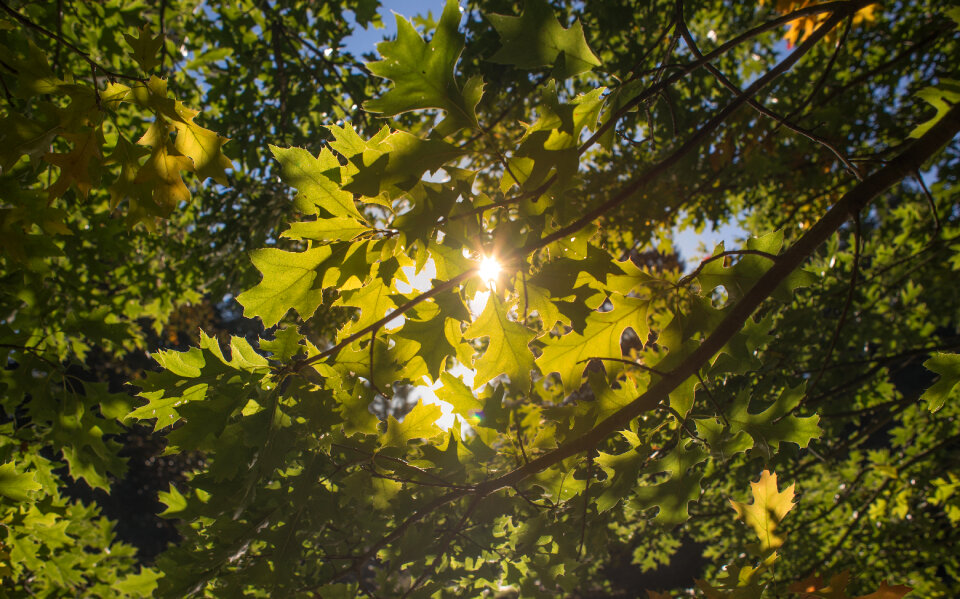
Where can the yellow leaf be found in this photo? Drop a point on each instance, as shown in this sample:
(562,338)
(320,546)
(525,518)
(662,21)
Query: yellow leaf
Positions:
(418,423)
(767,510)
(800,29)
(203,146)
(162,170)
(75,165)
(888,592)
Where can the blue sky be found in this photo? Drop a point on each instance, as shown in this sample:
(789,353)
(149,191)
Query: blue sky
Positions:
(365,40)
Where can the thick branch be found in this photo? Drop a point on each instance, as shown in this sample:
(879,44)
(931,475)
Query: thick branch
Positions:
(724,81)
(851,203)
(693,142)
(837,8)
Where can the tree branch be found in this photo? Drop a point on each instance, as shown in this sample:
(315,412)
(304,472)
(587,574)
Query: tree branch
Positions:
(693,142)
(841,8)
(722,79)
(59,39)
(853,201)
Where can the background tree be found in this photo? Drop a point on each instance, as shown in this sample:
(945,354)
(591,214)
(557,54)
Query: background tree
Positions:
(615,406)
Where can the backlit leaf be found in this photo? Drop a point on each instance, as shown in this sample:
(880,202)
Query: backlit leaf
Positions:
(422,73)
(948,367)
(507,351)
(289,281)
(536,39)
(419,423)
(767,510)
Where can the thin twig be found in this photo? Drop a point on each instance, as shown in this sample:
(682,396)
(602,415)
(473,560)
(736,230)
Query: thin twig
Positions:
(96,90)
(523,451)
(163,32)
(445,544)
(703,263)
(399,461)
(723,80)
(373,383)
(623,361)
(826,72)
(586,504)
(411,481)
(332,351)
(6,90)
(930,200)
(532,502)
(919,351)
(25,21)
(635,73)
(846,306)
(681,421)
(713,400)
(517,98)
(57,67)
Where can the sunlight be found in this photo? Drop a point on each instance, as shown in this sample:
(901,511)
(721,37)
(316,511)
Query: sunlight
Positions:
(428,393)
(489,269)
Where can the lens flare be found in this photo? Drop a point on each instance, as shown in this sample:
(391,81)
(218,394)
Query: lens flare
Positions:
(489,268)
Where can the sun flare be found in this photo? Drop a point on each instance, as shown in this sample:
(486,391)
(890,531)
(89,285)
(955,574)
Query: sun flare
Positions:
(489,268)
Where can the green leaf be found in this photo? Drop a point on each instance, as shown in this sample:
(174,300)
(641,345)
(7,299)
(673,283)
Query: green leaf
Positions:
(355,409)
(622,471)
(340,228)
(162,171)
(608,399)
(202,146)
(398,163)
(422,73)
(208,57)
(419,423)
(942,97)
(569,354)
(777,423)
(456,393)
(146,47)
(683,486)
(174,500)
(536,39)
(437,339)
(315,189)
(948,367)
(723,444)
(738,279)
(285,344)
(289,281)
(164,407)
(507,352)
(187,378)
(375,300)
(17,486)
(141,584)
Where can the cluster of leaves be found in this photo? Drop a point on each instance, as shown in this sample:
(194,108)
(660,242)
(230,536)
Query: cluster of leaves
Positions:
(593,397)
(764,515)
(329,494)
(96,251)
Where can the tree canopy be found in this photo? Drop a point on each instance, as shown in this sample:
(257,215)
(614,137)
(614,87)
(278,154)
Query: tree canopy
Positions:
(470,361)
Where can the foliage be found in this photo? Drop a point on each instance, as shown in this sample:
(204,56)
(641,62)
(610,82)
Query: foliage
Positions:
(599,401)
